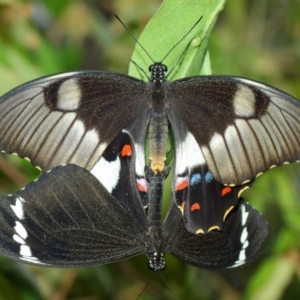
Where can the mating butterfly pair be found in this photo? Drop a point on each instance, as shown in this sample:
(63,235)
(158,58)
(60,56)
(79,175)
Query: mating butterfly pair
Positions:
(87,132)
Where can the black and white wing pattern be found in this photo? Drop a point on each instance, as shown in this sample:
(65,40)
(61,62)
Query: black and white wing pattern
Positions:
(68,118)
(226,131)
(71,217)
(68,219)
(243,235)
(204,202)
(241,127)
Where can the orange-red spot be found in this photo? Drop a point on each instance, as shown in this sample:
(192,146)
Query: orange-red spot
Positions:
(195,206)
(142,187)
(226,190)
(126,151)
(182,185)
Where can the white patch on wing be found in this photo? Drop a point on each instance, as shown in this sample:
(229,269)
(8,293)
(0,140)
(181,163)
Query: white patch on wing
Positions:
(35,128)
(246,243)
(237,152)
(107,173)
(25,250)
(221,158)
(91,136)
(34,260)
(69,95)
(91,148)
(18,239)
(188,155)
(243,239)
(140,160)
(236,264)
(244,102)
(245,215)
(77,130)
(53,141)
(69,144)
(18,208)
(244,235)
(242,256)
(251,145)
(20,230)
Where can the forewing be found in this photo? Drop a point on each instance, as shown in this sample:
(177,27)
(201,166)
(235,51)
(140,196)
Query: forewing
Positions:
(67,219)
(68,118)
(242,127)
(238,243)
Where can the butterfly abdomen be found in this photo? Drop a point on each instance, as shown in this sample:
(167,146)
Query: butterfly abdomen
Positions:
(155,250)
(158,139)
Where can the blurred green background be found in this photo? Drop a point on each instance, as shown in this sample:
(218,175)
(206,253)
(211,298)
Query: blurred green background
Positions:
(258,39)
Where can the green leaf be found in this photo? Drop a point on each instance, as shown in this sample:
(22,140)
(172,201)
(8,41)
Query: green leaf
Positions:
(171,23)
(271,279)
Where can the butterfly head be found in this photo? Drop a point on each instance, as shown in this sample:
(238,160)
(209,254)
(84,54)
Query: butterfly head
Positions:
(156,261)
(158,71)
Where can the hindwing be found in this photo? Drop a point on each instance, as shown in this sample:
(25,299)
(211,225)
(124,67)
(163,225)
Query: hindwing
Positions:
(240,241)
(67,218)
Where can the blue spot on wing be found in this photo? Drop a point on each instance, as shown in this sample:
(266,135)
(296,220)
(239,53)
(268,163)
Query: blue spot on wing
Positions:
(196,178)
(208,177)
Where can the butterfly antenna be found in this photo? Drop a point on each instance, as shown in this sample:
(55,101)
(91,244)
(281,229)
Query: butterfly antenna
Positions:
(135,38)
(182,38)
(167,284)
(179,60)
(139,68)
(146,286)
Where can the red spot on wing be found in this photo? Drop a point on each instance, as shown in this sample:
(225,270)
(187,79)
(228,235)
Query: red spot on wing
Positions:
(226,190)
(195,206)
(181,183)
(142,185)
(126,151)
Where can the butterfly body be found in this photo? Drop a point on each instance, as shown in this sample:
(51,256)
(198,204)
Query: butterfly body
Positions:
(154,223)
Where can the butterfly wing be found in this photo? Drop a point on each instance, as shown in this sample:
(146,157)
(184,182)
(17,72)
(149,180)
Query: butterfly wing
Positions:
(68,118)
(116,170)
(238,243)
(66,219)
(242,127)
(204,202)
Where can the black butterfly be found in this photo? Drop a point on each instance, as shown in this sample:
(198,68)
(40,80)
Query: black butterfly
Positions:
(226,131)
(67,219)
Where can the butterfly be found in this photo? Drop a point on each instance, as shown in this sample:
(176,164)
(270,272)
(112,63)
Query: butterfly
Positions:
(89,129)
(68,219)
